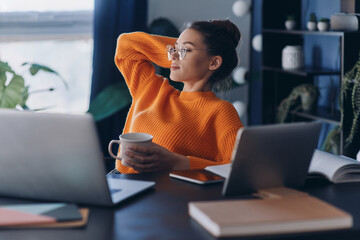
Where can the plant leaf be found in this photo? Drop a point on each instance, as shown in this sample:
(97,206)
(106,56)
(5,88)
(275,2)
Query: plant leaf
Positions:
(35,68)
(112,99)
(2,87)
(332,141)
(4,67)
(25,96)
(12,94)
(2,78)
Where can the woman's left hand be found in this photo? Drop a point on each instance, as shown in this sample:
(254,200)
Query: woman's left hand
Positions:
(154,158)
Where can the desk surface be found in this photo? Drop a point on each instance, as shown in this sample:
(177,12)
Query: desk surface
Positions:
(162,213)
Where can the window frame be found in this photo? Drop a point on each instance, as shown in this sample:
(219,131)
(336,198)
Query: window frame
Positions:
(56,25)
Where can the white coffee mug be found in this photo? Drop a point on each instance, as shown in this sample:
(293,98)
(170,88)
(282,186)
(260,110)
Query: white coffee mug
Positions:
(127,139)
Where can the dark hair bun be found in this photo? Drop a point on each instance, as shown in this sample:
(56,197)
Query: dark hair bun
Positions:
(230,30)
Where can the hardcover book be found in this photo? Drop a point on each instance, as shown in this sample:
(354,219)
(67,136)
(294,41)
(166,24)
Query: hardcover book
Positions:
(289,214)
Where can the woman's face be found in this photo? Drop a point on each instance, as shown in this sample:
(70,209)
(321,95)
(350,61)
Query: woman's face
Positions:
(195,66)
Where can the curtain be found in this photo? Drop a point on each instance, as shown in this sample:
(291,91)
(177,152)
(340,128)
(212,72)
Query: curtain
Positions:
(111,18)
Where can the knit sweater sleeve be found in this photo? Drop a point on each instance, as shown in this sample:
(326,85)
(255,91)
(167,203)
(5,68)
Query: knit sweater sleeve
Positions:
(135,53)
(228,145)
(226,128)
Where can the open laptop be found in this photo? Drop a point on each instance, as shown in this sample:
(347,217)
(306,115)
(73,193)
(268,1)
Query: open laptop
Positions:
(271,156)
(57,157)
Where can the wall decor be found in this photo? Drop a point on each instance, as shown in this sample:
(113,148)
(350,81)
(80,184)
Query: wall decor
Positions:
(240,8)
(240,108)
(239,75)
(257,42)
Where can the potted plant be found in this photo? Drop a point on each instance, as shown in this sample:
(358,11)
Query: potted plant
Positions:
(13,91)
(301,97)
(290,22)
(332,141)
(350,88)
(323,24)
(351,84)
(311,24)
(110,100)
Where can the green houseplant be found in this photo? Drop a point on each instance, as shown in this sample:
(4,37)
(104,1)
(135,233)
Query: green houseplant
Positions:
(302,97)
(326,20)
(323,24)
(351,84)
(350,88)
(290,22)
(112,99)
(311,24)
(313,17)
(13,90)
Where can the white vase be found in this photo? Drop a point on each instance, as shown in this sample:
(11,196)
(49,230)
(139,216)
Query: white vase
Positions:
(311,26)
(290,24)
(292,57)
(323,26)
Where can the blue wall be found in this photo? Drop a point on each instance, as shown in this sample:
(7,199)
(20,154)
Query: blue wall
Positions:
(324,51)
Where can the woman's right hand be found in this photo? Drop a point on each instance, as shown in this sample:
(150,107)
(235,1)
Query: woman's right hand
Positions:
(154,158)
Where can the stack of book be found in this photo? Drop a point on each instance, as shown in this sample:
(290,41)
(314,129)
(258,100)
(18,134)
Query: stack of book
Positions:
(43,215)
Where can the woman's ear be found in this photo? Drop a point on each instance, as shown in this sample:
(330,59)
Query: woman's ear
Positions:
(215,63)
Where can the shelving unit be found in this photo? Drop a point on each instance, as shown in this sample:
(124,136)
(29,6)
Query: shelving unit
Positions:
(278,82)
(322,113)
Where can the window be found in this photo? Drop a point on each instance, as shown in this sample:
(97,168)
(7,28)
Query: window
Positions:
(55,34)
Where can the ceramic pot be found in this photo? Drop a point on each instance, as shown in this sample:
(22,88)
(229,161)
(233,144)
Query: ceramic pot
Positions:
(292,57)
(290,24)
(323,26)
(311,26)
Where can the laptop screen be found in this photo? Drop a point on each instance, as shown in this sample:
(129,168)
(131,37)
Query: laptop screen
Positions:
(271,156)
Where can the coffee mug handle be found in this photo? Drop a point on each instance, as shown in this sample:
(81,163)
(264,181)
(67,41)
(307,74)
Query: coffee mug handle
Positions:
(110,149)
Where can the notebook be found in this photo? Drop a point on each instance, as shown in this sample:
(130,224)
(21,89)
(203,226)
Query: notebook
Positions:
(292,212)
(271,156)
(57,157)
(30,214)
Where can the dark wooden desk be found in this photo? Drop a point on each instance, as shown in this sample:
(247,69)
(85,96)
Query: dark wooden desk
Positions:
(162,213)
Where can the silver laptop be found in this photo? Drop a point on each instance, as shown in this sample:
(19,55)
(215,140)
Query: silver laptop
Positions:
(57,157)
(271,156)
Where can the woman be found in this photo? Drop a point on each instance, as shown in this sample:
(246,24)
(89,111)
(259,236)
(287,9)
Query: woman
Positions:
(192,128)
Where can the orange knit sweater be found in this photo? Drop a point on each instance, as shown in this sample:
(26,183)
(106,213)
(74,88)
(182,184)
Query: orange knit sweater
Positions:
(194,124)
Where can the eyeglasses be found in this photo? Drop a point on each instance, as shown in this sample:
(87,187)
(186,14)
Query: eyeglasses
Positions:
(181,50)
